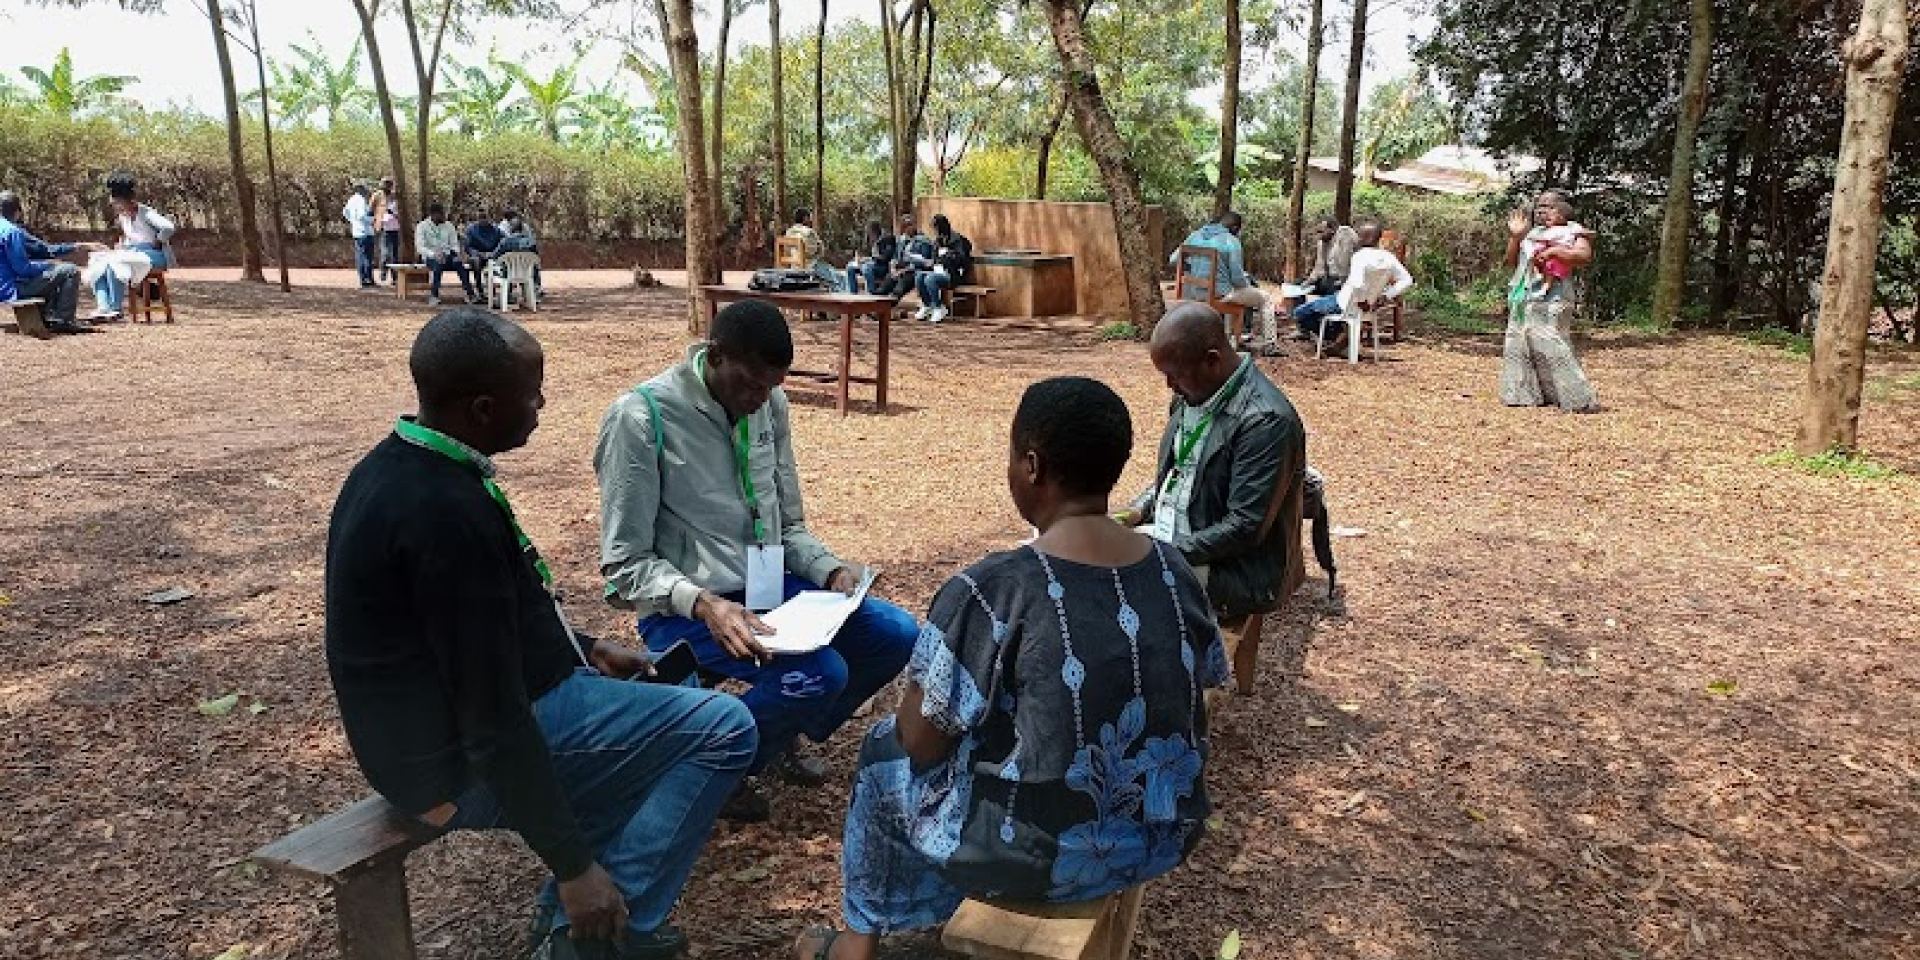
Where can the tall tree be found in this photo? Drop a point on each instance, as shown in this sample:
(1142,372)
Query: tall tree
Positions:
(396,159)
(426,72)
(683,58)
(251,20)
(1671,281)
(820,113)
(1350,114)
(908,45)
(1297,192)
(66,94)
(780,208)
(236,155)
(1876,59)
(1043,159)
(1102,138)
(727,10)
(1229,114)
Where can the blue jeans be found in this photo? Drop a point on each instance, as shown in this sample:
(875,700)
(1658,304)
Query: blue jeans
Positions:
(1311,315)
(363,258)
(110,294)
(646,767)
(389,252)
(930,284)
(439,265)
(811,693)
(874,272)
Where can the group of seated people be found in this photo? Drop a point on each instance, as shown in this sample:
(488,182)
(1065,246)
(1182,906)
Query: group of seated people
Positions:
(895,264)
(440,243)
(31,268)
(1344,257)
(1051,739)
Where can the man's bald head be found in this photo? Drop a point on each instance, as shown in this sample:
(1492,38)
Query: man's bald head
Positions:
(478,375)
(1190,347)
(1369,234)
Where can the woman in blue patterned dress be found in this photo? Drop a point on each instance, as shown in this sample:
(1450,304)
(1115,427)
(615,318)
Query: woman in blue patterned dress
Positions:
(1051,744)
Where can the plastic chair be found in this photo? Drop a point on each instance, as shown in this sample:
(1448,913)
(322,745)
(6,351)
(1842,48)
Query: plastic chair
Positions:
(1372,285)
(510,269)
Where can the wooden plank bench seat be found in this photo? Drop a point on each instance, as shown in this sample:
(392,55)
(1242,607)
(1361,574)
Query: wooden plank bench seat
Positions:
(978,293)
(361,851)
(407,276)
(1093,930)
(29,318)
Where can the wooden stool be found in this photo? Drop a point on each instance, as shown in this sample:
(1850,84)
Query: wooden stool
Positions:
(140,298)
(1092,930)
(361,851)
(29,318)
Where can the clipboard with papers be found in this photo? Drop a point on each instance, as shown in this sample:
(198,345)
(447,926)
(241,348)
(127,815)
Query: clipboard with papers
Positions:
(809,620)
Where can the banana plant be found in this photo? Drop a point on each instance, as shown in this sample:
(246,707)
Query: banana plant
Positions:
(66,94)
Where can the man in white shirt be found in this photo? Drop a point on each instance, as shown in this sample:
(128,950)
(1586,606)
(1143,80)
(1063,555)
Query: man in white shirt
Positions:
(439,244)
(359,216)
(1367,259)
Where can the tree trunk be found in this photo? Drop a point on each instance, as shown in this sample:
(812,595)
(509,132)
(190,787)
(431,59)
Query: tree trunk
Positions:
(1718,299)
(1350,114)
(1876,59)
(1046,144)
(917,38)
(1102,138)
(1670,284)
(1303,151)
(395,155)
(779,92)
(273,165)
(236,156)
(719,200)
(820,115)
(426,74)
(1229,115)
(896,102)
(683,58)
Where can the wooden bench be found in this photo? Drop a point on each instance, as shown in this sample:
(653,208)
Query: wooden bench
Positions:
(407,276)
(975,291)
(1093,930)
(140,298)
(361,852)
(29,318)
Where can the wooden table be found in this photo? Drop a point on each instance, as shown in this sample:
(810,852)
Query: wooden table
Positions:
(1027,284)
(849,306)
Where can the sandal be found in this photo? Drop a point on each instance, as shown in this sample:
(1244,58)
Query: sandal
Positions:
(826,934)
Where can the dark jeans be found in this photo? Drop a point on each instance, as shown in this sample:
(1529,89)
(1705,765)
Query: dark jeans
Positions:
(930,284)
(363,259)
(646,767)
(59,286)
(874,272)
(437,266)
(390,252)
(811,693)
(1311,314)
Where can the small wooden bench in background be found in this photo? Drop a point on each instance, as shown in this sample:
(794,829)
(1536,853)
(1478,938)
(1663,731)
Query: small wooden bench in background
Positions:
(361,851)
(978,294)
(407,276)
(30,319)
(1094,930)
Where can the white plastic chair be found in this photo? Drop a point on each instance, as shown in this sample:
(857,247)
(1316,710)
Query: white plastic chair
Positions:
(510,269)
(1372,285)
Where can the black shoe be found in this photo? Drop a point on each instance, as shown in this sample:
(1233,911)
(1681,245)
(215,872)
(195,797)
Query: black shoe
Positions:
(795,767)
(663,944)
(69,326)
(749,804)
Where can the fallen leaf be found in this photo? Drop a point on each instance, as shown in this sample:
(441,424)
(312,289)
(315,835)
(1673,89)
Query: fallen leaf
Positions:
(238,951)
(256,708)
(5,601)
(1475,814)
(1723,688)
(753,874)
(1230,947)
(1216,823)
(1348,531)
(1315,722)
(219,706)
(1348,707)
(170,595)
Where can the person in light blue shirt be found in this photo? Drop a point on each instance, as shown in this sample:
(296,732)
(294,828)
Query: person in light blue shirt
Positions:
(1230,279)
(359,216)
(24,278)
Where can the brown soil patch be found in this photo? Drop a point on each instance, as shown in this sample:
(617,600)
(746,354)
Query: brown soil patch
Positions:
(1600,687)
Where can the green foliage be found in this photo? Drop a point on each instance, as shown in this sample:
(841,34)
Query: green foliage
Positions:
(1479,308)
(65,94)
(1833,463)
(312,87)
(1798,344)
(1119,330)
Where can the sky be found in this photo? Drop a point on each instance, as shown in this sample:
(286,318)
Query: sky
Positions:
(171,51)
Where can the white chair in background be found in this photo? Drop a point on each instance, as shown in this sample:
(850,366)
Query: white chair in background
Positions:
(1372,286)
(510,269)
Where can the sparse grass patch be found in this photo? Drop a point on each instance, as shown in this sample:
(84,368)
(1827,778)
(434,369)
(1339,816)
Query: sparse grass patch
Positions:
(1798,344)
(1833,463)
(1119,330)
(1888,388)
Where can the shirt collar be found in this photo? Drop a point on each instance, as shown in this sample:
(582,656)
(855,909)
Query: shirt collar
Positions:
(1217,400)
(479,460)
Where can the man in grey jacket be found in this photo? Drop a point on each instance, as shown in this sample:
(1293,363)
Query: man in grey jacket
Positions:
(702,527)
(1233,443)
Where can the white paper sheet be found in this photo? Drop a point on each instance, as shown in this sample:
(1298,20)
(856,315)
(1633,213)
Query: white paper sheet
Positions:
(809,620)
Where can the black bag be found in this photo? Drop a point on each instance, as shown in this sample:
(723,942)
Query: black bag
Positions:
(784,281)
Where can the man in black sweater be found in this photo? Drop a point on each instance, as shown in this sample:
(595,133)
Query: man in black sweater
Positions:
(469,701)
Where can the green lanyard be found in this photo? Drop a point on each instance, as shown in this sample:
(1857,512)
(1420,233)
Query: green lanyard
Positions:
(741,448)
(1193,434)
(447,447)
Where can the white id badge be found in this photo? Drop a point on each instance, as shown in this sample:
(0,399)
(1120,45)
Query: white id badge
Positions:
(1164,510)
(766,576)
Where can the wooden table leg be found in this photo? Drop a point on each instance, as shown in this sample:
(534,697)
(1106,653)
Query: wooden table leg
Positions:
(846,359)
(884,318)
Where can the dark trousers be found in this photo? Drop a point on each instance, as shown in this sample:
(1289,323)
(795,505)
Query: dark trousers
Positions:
(439,265)
(363,254)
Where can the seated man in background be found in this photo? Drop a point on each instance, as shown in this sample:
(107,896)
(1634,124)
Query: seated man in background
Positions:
(1313,314)
(814,250)
(1333,247)
(872,268)
(702,527)
(1232,441)
(438,243)
(1230,279)
(468,700)
(952,265)
(912,253)
(516,236)
(28,272)
(481,239)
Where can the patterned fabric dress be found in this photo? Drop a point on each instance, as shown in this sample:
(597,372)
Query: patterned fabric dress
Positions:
(1075,692)
(1539,368)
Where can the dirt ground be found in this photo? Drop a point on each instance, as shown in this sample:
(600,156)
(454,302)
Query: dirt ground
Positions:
(1597,687)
